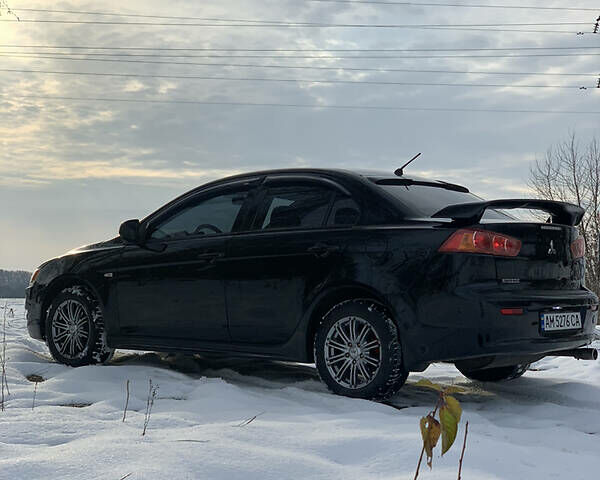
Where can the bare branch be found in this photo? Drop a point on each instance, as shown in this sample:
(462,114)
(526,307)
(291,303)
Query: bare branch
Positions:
(570,173)
(9,11)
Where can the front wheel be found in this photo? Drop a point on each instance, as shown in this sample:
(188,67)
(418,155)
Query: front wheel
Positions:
(497,374)
(357,351)
(75,329)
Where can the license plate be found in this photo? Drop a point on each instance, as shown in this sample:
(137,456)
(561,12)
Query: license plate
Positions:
(554,321)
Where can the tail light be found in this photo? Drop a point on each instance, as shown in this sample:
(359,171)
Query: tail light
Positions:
(578,248)
(481,241)
(511,311)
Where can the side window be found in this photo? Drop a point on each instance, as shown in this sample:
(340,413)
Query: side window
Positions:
(294,207)
(345,212)
(209,216)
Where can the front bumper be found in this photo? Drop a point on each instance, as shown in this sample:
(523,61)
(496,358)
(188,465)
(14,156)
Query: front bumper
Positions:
(471,324)
(34,315)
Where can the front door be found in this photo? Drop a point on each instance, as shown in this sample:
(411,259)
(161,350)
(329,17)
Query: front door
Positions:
(172,286)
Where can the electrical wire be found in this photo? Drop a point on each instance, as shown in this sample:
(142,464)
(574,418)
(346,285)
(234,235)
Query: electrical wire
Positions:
(260,21)
(302,80)
(456,5)
(337,57)
(279,24)
(300,105)
(292,80)
(376,70)
(283,50)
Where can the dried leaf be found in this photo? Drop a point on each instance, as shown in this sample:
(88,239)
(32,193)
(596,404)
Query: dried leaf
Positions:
(430,431)
(449,428)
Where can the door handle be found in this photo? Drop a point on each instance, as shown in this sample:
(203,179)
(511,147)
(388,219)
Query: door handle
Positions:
(322,250)
(210,256)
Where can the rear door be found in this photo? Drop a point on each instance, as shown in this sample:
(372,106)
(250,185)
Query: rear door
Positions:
(288,252)
(173,286)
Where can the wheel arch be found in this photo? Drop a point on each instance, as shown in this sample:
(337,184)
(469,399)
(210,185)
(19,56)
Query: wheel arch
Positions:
(333,296)
(58,285)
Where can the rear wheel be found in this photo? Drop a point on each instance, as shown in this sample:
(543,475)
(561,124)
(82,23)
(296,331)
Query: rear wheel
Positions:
(357,351)
(75,329)
(496,374)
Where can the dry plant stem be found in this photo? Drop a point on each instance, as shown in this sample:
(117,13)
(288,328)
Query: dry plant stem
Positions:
(462,453)
(34,392)
(149,404)
(3,374)
(249,421)
(419,464)
(126,401)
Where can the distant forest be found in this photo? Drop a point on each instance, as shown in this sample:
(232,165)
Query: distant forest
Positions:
(13,284)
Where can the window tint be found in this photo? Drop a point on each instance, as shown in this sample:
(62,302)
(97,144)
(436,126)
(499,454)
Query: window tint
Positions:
(209,216)
(345,211)
(294,207)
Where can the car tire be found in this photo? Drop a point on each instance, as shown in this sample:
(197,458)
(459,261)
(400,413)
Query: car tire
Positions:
(497,374)
(357,351)
(75,331)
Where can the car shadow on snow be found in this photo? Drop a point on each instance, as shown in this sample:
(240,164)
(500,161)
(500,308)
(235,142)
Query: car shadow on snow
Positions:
(276,375)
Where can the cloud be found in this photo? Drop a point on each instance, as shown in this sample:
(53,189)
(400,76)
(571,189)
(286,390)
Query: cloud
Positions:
(50,146)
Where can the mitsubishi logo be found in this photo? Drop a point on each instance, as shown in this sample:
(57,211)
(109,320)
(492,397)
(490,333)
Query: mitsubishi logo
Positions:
(552,250)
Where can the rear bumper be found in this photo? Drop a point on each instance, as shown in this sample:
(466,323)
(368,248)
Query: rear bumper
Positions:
(34,315)
(472,325)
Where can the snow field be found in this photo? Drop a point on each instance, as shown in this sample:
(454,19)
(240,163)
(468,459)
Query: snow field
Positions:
(544,425)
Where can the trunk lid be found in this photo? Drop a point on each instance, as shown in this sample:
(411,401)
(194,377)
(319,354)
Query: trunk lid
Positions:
(545,261)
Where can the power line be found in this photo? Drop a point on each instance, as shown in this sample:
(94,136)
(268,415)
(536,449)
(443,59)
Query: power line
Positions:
(257,21)
(283,50)
(300,105)
(457,5)
(302,67)
(278,24)
(322,57)
(368,57)
(355,2)
(294,80)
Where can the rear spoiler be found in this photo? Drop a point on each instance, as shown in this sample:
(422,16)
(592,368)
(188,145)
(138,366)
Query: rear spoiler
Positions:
(470,213)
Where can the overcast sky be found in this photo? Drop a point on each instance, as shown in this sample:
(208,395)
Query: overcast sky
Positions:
(72,170)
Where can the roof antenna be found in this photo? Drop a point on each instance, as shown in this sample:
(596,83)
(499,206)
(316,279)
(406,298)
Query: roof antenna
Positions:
(400,171)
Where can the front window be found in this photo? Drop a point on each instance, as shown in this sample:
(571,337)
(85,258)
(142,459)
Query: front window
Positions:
(209,216)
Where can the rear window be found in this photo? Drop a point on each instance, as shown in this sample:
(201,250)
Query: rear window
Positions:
(425,200)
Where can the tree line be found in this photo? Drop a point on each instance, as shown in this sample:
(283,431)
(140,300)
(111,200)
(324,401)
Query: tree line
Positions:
(13,283)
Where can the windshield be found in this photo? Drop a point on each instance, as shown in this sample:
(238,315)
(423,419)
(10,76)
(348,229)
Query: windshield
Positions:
(425,200)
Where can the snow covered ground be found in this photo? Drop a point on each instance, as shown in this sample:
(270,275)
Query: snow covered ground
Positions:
(544,425)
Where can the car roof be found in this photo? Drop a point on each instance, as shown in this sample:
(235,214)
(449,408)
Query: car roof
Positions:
(373,175)
(370,177)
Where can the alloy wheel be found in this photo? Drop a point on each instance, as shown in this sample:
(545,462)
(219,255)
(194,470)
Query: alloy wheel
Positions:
(352,352)
(71,329)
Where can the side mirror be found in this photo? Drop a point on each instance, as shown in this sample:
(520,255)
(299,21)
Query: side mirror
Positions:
(130,231)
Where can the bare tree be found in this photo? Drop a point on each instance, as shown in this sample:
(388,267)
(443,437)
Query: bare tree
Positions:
(570,173)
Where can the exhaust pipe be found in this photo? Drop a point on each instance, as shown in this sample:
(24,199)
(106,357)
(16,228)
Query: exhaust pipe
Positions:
(578,353)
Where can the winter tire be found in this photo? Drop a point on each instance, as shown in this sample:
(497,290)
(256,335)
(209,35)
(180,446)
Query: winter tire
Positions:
(357,351)
(496,374)
(75,329)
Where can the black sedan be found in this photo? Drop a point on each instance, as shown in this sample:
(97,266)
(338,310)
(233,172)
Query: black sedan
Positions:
(369,275)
